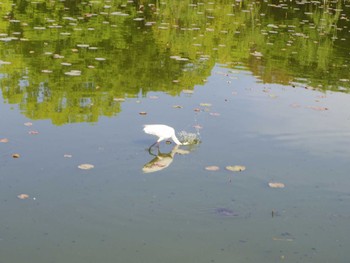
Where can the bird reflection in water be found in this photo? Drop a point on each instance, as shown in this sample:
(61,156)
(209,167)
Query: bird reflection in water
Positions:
(162,160)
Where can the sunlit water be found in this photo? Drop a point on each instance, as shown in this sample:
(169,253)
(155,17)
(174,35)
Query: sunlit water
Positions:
(163,205)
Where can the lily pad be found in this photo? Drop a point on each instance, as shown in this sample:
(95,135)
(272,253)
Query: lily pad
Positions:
(276,185)
(86,166)
(23,196)
(235,168)
(212,168)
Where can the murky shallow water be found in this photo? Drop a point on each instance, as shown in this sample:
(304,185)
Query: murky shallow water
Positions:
(115,212)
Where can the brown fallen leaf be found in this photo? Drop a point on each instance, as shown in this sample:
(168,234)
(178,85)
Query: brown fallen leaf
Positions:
(143,113)
(16,155)
(276,185)
(4,140)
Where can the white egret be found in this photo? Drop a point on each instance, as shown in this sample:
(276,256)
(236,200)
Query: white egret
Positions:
(163,132)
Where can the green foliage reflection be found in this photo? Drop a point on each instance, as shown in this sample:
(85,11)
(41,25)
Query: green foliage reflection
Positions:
(70,60)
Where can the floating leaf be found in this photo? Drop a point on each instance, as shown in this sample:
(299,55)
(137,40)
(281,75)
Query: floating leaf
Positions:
(212,168)
(205,104)
(235,168)
(143,113)
(177,107)
(198,127)
(16,155)
(4,140)
(182,152)
(86,166)
(317,108)
(187,91)
(23,196)
(119,99)
(276,185)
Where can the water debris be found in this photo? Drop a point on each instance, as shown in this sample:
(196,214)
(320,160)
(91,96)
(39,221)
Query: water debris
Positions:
(22,196)
(4,140)
(73,73)
(257,54)
(318,108)
(235,168)
(119,99)
(33,132)
(276,185)
(212,168)
(16,155)
(179,58)
(67,155)
(216,114)
(86,166)
(100,59)
(4,62)
(188,91)
(177,107)
(47,71)
(28,124)
(205,104)
(83,45)
(119,14)
(143,113)
(222,211)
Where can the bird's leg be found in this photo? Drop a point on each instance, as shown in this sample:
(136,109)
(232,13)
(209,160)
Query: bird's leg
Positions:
(150,148)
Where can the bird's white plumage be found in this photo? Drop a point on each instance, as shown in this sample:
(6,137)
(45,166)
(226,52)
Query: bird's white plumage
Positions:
(163,132)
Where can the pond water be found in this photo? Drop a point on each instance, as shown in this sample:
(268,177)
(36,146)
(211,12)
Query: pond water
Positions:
(263,84)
